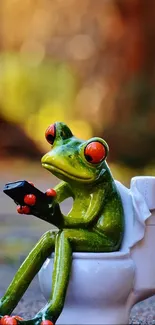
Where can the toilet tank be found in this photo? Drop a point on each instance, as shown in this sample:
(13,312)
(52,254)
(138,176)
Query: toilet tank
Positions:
(143,254)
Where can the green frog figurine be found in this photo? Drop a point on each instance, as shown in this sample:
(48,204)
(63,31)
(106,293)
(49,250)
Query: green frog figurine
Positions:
(94,224)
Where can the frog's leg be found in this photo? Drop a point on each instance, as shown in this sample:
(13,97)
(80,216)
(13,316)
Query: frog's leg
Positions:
(67,241)
(26,272)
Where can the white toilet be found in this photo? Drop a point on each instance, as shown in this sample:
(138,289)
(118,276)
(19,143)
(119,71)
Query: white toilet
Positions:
(103,287)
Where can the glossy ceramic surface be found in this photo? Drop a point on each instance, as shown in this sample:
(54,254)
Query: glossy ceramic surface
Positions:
(99,287)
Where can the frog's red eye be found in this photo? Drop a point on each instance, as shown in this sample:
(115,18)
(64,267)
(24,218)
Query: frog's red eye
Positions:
(50,133)
(95,152)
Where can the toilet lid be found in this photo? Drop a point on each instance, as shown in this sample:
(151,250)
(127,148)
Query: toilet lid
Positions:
(138,201)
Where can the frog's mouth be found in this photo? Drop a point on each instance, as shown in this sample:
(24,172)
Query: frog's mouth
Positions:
(58,171)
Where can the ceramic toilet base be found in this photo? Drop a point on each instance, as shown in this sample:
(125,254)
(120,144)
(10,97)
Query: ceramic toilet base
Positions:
(113,315)
(99,289)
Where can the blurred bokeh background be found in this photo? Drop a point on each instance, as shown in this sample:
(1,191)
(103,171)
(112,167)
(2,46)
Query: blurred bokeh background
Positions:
(90,64)
(87,63)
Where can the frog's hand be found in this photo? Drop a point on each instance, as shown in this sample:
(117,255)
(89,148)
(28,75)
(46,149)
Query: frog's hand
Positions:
(30,203)
(63,191)
(41,210)
(47,213)
(51,212)
(54,215)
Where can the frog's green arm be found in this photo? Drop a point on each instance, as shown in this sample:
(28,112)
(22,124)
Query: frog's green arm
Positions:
(51,212)
(89,215)
(90,205)
(97,200)
(63,191)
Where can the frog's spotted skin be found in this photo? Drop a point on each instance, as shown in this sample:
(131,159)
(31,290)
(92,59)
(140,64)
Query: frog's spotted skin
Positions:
(94,224)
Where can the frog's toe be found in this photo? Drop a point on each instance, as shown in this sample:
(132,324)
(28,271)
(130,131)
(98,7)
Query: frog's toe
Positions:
(9,320)
(43,322)
(43,319)
(46,322)
(35,321)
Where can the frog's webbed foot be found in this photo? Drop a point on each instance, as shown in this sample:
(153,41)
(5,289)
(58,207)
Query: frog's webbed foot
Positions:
(17,320)
(37,320)
(10,320)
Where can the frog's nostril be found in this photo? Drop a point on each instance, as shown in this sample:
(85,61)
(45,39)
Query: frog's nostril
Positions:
(69,156)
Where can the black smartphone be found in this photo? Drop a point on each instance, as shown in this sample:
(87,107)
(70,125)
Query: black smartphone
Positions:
(17,191)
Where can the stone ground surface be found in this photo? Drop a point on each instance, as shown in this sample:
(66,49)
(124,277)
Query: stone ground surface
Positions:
(18,235)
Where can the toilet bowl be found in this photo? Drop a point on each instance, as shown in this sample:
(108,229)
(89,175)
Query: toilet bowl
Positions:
(103,287)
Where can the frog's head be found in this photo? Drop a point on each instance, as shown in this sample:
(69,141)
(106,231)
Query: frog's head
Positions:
(75,160)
